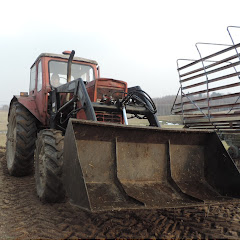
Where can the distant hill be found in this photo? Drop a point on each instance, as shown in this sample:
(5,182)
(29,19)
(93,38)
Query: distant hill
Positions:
(4,107)
(164,104)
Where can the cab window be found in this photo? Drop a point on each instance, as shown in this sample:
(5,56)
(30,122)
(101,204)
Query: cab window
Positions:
(39,83)
(58,72)
(32,78)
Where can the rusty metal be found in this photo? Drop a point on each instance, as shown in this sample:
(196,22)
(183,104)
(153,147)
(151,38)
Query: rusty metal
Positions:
(211,65)
(214,71)
(209,56)
(198,104)
(113,167)
(211,98)
(210,107)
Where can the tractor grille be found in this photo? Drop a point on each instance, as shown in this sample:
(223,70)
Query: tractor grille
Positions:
(106,117)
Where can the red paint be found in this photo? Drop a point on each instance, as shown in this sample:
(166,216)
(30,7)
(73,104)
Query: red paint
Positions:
(37,102)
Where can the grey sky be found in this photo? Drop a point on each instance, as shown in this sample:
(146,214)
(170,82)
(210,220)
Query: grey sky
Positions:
(135,41)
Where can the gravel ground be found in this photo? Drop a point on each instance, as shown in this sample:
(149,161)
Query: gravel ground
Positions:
(23,216)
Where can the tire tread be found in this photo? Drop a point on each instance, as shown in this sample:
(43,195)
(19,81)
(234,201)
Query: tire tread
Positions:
(52,141)
(26,131)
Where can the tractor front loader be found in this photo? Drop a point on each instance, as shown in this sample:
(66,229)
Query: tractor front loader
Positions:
(86,150)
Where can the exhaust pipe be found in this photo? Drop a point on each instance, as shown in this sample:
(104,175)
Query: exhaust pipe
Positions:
(69,67)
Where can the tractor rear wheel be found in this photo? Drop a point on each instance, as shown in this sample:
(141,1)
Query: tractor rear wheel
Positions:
(21,136)
(48,166)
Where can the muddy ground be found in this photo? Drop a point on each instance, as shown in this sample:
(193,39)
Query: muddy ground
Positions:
(23,216)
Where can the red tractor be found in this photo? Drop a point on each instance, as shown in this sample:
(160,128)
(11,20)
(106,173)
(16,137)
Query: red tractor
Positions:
(71,129)
(63,87)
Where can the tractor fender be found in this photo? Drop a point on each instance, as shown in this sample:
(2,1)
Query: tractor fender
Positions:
(28,102)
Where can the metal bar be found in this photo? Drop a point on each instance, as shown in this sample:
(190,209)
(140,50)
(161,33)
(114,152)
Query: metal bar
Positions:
(125,115)
(235,50)
(215,89)
(213,80)
(69,66)
(205,67)
(207,83)
(232,64)
(211,98)
(115,108)
(211,65)
(223,120)
(226,123)
(212,71)
(202,126)
(210,56)
(211,107)
(182,103)
(176,108)
(230,33)
(194,105)
(175,100)
(181,92)
(189,98)
(232,38)
(233,107)
(214,115)
(216,44)
(233,131)
(225,126)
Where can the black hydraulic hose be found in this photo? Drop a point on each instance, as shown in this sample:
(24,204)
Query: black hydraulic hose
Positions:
(142,97)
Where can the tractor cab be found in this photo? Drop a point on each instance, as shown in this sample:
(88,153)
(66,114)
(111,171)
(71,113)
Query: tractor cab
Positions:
(50,71)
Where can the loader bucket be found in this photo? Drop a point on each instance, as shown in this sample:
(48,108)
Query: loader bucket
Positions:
(114,167)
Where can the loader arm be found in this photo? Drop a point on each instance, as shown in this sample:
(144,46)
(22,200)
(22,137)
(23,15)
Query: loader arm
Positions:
(80,94)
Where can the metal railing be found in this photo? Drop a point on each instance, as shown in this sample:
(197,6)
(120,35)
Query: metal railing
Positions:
(210,89)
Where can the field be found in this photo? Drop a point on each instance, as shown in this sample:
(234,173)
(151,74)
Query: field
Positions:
(141,122)
(23,216)
(170,121)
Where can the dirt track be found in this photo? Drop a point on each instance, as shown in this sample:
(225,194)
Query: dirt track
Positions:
(23,216)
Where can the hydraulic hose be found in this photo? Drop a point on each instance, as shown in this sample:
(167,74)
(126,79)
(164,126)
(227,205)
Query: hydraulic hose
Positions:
(142,97)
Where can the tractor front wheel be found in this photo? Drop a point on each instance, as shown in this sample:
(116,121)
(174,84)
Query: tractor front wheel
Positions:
(48,166)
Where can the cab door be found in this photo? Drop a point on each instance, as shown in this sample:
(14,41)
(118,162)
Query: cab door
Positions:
(40,93)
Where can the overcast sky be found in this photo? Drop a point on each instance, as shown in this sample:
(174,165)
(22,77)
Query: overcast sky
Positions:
(135,41)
